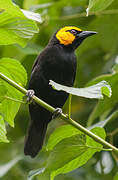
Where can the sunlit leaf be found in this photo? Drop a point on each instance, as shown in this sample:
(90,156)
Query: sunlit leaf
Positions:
(65,151)
(3,91)
(61,133)
(106,90)
(62,159)
(15,71)
(14,25)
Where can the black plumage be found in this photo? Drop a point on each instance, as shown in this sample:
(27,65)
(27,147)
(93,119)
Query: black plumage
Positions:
(56,62)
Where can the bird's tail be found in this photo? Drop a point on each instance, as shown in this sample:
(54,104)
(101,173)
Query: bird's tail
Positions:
(34,139)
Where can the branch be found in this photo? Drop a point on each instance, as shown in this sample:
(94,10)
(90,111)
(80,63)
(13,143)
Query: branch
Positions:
(83,14)
(63,116)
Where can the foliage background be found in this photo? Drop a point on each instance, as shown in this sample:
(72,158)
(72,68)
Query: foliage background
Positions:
(95,56)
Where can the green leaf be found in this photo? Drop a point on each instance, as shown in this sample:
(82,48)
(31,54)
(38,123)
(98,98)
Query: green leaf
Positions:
(106,91)
(90,148)
(99,132)
(15,71)
(97,5)
(14,25)
(94,91)
(61,133)
(65,151)
(3,137)
(3,91)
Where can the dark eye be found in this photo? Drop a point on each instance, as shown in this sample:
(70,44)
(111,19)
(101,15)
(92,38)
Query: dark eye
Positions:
(73,31)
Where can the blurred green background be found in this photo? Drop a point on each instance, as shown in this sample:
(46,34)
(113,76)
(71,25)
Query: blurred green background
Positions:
(96,56)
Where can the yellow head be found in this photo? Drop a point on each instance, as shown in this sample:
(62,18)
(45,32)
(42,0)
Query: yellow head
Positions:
(67,35)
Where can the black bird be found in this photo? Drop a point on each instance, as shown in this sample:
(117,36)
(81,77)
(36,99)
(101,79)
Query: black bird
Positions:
(56,62)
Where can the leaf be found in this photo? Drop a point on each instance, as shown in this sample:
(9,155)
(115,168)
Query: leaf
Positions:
(83,158)
(61,133)
(14,25)
(3,137)
(91,148)
(94,91)
(99,132)
(6,167)
(97,5)
(104,106)
(65,151)
(106,91)
(15,71)
(3,92)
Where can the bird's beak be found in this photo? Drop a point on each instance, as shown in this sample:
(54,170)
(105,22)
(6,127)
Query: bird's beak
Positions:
(85,34)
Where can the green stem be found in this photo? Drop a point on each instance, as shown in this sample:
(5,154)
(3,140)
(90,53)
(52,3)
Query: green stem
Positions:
(63,116)
(15,100)
(101,149)
(69,110)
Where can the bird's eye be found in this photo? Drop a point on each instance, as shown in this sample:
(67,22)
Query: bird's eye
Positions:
(73,31)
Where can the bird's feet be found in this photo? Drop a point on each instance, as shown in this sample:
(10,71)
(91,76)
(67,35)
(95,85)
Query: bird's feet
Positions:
(57,113)
(29,95)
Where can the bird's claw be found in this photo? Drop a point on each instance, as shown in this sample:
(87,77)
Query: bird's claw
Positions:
(30,94)
(57,113)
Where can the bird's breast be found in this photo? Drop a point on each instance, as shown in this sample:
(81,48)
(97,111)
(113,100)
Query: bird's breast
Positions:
(61,68)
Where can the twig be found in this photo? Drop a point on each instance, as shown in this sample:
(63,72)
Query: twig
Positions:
(63,116)
(83,14)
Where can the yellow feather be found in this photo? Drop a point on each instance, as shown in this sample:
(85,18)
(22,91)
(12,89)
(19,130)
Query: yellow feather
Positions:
(64,36)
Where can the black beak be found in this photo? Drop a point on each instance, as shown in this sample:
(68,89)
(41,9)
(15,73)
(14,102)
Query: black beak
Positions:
(85,34)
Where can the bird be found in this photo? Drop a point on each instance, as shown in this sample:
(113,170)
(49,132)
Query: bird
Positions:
(56,62)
